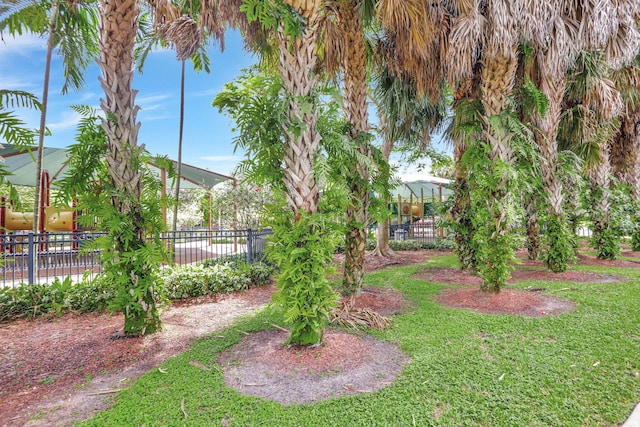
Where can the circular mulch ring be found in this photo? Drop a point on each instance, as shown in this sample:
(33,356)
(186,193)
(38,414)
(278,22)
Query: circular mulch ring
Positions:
(259,365)
(459,277)
(508,301)
(384,301)
(620,263)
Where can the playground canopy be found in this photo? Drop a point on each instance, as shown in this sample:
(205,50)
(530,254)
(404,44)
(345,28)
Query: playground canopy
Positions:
(22,166)
(429,188)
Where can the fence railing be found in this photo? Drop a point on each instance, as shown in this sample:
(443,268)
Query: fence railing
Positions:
(41,257)
(425,230)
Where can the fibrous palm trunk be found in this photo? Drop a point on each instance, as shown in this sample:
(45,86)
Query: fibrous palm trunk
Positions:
(533,234)
(118,26)
(559,251)
(461,211)
(297,62)
(498,79)
(305,294)
(627,153)
(354,65)
(604,240)
(382,234)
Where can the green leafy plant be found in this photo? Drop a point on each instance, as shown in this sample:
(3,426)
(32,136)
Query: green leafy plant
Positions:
(131,249)
(303,251)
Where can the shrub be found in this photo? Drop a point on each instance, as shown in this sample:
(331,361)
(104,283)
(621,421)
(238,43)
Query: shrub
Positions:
(198,280)
(55,298)
(236,259)
(95,293)
(415,245)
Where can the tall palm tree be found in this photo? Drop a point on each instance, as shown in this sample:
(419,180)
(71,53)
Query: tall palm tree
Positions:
(593,105)
(118,27)
(351,58)
(558,31)
(466,113)
(183,33)
(625,148)
(406,119)
(70,26)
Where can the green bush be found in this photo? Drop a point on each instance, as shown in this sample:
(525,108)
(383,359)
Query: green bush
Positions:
(55,298)
(198,280)
(95,293)
(415,245)
(236,259)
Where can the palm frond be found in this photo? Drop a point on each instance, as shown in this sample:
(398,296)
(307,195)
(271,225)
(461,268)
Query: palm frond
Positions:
(18,99)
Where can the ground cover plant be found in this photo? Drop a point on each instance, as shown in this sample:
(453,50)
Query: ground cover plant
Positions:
(466,368)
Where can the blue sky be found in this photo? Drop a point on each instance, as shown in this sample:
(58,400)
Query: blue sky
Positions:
(207,134)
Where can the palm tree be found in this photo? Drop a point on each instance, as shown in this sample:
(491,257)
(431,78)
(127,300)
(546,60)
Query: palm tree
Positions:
(118,27)
(351,58)
(72,27)
(406,119)
(466,113)
(593,105)
(183,33)
(558,32)
(625,148)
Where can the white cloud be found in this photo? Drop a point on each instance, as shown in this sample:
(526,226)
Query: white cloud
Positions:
(154,103)
(69,120)
(22,45)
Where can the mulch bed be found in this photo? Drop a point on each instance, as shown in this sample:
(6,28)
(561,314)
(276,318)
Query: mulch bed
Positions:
(44,361)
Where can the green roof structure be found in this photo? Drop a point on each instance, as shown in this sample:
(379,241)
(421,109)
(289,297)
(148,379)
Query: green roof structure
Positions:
(21,164)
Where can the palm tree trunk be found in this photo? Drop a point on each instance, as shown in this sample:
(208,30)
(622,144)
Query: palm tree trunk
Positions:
(630,133)
(604,239)
(461,211)
(498,78)
(297,58)
(354,65)
(533,234)
(304,289)
(179,171)
(118,26)
(382,243)
(43,118)
(559,251)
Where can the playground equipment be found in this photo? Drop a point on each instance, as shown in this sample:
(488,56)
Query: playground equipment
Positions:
(52,219)
(415,215)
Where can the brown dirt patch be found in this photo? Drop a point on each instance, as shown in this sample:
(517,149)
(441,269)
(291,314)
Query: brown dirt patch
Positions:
(346,364)
(384,301)
(622,263)
(508,301)
(459,277)
(589,260)
(373,262)
(52,366)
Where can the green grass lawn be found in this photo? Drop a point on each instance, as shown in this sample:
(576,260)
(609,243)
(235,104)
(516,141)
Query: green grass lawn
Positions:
(467,369)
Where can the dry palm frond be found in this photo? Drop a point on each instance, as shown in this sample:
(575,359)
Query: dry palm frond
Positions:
(464,45)
(605,99)
(354,317)
(184,35)
(623,46)
(504,19)
(164,11)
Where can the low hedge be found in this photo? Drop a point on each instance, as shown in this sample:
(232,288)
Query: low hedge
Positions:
(94,294)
